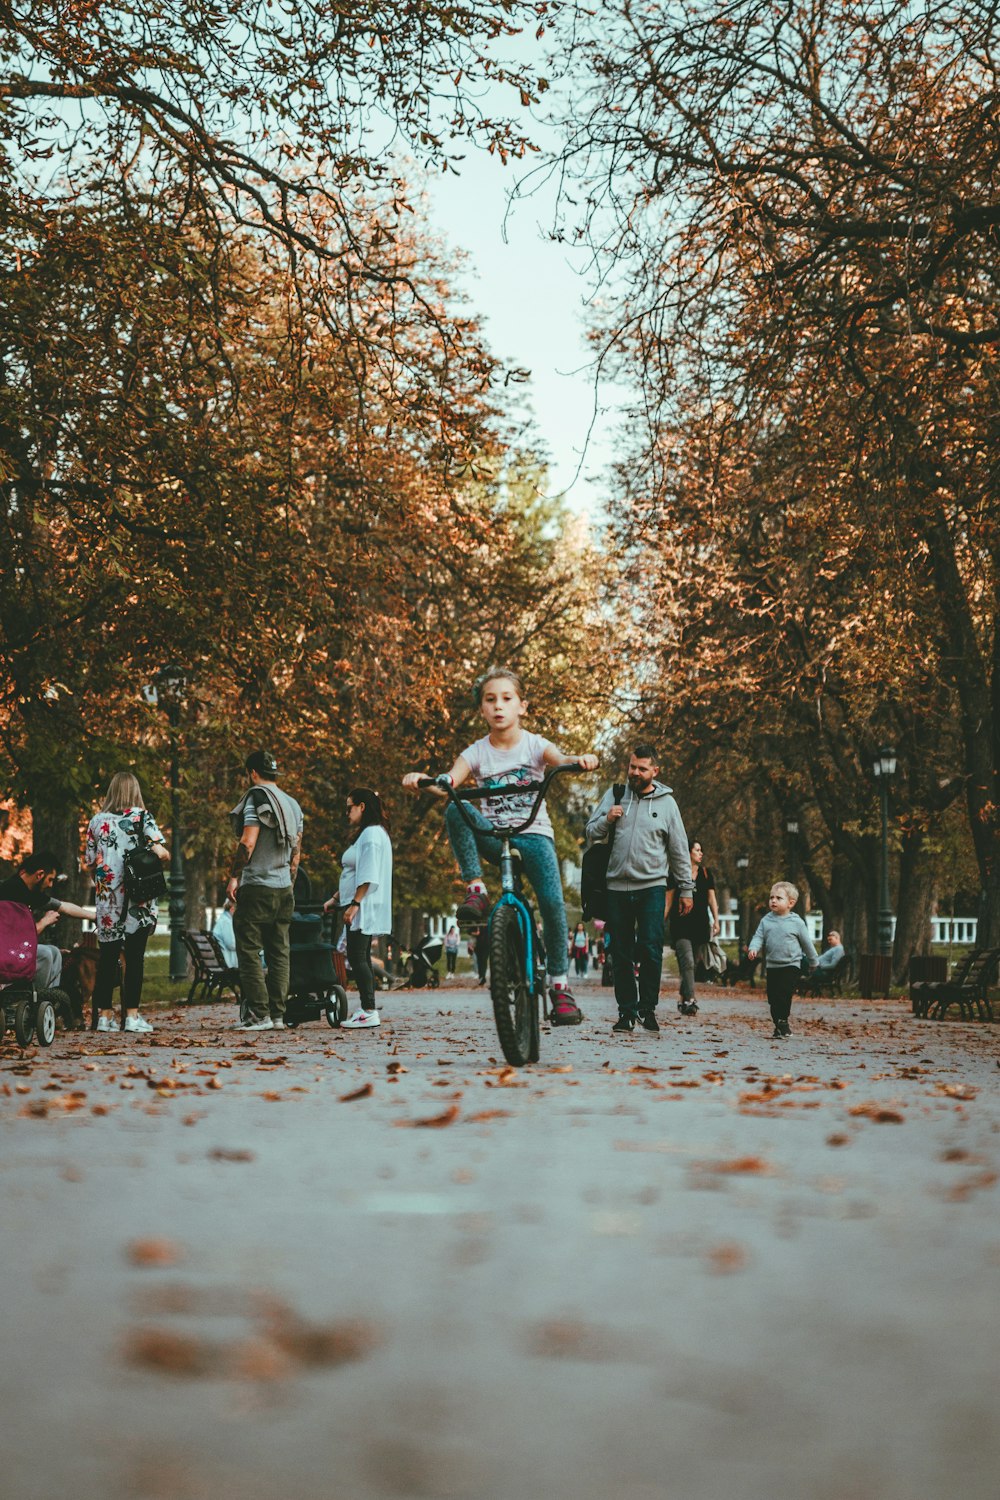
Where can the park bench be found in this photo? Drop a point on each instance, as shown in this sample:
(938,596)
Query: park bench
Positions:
(968,989)
(828,980)
(212,975)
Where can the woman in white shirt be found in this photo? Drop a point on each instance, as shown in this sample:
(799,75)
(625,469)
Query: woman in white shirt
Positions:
(365,895)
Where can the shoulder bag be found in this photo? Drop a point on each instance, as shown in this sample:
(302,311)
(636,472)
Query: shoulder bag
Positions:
(144,878)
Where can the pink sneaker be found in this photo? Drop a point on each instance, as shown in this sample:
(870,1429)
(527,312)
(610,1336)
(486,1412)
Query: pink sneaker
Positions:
(474,910)
(564,1009)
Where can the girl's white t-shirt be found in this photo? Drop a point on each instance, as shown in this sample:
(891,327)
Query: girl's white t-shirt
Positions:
(369,859)
(507,769)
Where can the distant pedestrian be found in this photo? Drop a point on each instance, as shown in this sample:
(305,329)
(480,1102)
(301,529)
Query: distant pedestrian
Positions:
(782,939)
(124,927)
(268,823)
(451,944)
(365,895)
(479,951)
(649,846)
(690,932)
(580,947)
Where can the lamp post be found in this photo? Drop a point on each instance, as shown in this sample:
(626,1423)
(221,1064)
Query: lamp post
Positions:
(169,686)
(742,866)
(883,769)
(792,830)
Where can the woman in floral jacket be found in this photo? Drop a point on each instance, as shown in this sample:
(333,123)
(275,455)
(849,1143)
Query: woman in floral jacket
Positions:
(122,926)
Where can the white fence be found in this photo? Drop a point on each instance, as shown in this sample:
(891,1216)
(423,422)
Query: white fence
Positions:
(944,930)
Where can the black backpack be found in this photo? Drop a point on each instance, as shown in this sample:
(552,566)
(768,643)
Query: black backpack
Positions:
(144,878)
(594,870)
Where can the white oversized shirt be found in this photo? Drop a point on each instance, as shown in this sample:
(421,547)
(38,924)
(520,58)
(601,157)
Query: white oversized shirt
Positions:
(369,860)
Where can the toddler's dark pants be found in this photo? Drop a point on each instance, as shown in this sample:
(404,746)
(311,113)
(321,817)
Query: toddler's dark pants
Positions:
(781,984)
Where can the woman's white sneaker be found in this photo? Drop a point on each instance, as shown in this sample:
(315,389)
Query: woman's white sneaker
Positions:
(137,1023)
(107,1023)
(360,1019)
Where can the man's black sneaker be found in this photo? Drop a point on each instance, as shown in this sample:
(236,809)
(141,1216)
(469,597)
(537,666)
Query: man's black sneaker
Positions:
(474,910)
(786,1030)
(687,1007)
(777,1034)
(624,1023)
(649,1021)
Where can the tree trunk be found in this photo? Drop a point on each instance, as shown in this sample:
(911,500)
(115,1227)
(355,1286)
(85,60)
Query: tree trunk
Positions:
(914,906)
(988,931)
(60,833)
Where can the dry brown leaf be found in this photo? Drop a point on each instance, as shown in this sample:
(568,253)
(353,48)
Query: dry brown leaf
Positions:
(364,1092)
(170,1353)
(433,1122)
(154,1252)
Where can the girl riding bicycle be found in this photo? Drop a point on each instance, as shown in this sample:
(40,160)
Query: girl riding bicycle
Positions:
(507,758)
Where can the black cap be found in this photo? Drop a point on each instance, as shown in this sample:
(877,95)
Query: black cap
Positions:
(263,762)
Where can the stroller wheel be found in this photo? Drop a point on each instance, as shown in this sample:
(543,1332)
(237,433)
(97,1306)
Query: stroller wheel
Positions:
(45,1023)
(24,1023)
(289,1022)
(336,1006)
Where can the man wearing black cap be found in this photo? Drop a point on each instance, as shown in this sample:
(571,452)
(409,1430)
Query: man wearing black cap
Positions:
(268,824)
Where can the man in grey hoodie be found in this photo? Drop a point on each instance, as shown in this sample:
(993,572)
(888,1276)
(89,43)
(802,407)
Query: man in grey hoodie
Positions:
(649,844)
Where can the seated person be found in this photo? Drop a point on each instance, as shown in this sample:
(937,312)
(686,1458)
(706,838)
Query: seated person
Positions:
(832,953)
(826,963)
(32,886)
(224,935)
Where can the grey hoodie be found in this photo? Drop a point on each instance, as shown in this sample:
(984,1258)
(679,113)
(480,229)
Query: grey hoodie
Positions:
(650,842)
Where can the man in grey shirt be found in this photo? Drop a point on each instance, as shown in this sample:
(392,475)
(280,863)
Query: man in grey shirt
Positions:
(268,823)
(649,844)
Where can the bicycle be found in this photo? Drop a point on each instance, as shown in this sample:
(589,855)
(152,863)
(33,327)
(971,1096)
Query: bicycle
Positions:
(517,953)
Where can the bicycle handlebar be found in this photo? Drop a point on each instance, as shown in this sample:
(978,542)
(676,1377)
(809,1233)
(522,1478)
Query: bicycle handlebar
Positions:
(458,795)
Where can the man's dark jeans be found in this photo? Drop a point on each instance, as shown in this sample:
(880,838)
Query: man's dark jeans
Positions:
(636,922)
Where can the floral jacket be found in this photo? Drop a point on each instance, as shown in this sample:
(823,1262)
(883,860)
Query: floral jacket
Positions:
(110,836)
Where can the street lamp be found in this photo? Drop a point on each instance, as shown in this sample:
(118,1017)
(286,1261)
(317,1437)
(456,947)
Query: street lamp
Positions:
(792,830)
(168,689)
(742,866)
(884,769)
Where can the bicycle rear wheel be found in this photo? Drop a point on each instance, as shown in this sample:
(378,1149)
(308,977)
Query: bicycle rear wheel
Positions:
(512,988)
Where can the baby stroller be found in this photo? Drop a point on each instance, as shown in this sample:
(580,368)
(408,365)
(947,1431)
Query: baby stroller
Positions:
(31,1012)
(418,967)
(317,974)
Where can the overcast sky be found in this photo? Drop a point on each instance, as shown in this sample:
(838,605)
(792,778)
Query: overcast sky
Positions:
(530,297)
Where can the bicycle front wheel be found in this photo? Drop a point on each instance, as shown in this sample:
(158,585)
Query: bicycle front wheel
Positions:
(511,988)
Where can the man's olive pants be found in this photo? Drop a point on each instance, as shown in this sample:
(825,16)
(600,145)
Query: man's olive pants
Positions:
(261,920)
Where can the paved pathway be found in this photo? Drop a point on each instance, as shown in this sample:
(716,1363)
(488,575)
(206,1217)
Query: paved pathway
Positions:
(321,1264)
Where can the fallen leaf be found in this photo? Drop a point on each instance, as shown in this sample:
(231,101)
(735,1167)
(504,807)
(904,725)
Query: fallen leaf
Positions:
(170,1353)
(227,1153)
(154,1252)
(364,1092)
(433,1122)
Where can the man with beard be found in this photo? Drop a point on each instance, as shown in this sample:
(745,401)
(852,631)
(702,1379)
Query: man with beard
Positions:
(649,845)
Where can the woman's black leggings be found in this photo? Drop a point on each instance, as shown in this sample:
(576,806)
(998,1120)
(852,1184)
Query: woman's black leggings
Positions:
(359,956)
(108,970)
(780,989)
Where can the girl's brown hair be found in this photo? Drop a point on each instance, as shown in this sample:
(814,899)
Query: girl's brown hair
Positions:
(491,675)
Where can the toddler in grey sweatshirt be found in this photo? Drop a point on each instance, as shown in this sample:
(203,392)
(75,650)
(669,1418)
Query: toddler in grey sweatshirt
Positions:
(781,940)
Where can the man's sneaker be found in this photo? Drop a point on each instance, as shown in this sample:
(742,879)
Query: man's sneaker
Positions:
(474,910)
(360,1019)
(564,1009)
(278,1023)
(649,1021)
(786,1030)
(107,1023)
(777,1034)
(254,1025)
(137,1023)
(624,1023)
(687,1007)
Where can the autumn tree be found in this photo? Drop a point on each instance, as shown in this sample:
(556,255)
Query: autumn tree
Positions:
(796,203)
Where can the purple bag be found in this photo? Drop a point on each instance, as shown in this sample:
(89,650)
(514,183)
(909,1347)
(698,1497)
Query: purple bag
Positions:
(18,943)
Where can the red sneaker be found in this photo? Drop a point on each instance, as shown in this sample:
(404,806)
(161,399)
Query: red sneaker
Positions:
(565,1011)
(474,910)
